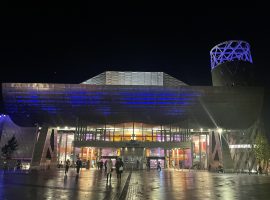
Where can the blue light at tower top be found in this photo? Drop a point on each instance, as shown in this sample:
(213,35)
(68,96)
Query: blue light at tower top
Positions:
(230,51)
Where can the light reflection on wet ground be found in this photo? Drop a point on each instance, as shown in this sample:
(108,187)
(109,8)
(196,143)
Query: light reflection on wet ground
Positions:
(167,184)
(197,185)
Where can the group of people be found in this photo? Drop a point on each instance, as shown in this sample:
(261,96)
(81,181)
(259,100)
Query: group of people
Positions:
(100,165)
(119,167)
(78,166)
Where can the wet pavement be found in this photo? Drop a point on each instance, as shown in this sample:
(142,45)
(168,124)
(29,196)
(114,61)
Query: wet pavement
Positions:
(167,184)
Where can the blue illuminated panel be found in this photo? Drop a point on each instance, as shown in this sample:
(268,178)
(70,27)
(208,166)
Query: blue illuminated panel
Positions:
(66,104)
(61,102)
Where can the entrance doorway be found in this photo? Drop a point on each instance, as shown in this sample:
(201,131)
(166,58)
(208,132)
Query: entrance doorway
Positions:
(133,158)
(154,161)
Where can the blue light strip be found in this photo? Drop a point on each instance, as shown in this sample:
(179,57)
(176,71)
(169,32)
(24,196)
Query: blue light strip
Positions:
(93,101)
(230,51)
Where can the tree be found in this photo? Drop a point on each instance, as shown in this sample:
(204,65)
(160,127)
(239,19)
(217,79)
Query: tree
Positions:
(9,148)
(262,149)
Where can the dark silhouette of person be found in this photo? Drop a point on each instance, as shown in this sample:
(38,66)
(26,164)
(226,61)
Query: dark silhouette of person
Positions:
(260,169)
(119,167)
(101,165)
(67,166)
(88,164)
(18,165)
(78,165)
(148,164)
(138,164)
(158,166)
(98,164)
(105,165)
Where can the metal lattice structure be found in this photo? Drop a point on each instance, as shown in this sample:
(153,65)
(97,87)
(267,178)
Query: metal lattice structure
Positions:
(230,51)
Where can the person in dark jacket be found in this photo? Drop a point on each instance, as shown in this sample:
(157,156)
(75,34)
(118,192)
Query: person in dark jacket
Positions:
(78,165)
(119,167)
(158,166)
(67,166)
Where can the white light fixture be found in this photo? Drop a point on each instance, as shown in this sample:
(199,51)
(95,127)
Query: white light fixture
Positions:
(219,130)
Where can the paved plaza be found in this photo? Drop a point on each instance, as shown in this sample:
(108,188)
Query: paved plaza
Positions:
(167,184)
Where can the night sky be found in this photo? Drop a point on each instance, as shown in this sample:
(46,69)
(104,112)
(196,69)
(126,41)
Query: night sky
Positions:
(68,46)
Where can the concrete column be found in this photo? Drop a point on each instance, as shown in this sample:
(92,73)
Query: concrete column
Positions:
(123,135)
(200,150)
(133,134)
(104,133)
(59,146)
(191,151)
(207,150)
(74,156)
(66,148)
(143,138)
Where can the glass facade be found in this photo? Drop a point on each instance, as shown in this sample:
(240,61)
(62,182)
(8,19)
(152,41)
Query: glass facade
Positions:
(98,139)
(200,146)
(132,131)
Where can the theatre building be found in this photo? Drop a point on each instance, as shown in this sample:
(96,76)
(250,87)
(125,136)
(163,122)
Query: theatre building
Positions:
(140,117)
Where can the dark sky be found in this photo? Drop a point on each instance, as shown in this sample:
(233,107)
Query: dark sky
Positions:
(68,46)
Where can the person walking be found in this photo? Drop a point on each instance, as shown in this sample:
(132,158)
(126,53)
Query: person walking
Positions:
(78,165)
(67,165)
(19,165)
(158,166)
(119,167)
(101,165)
(138,164)
(105,165)
(88,164)
(148,164)
(109,170)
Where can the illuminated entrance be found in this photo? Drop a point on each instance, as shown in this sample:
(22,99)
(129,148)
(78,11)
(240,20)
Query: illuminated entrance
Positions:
(135,143)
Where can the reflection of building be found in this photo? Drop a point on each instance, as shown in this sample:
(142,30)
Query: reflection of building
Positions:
(140,116)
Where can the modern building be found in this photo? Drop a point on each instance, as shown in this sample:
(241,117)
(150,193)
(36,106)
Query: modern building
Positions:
(141,117)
